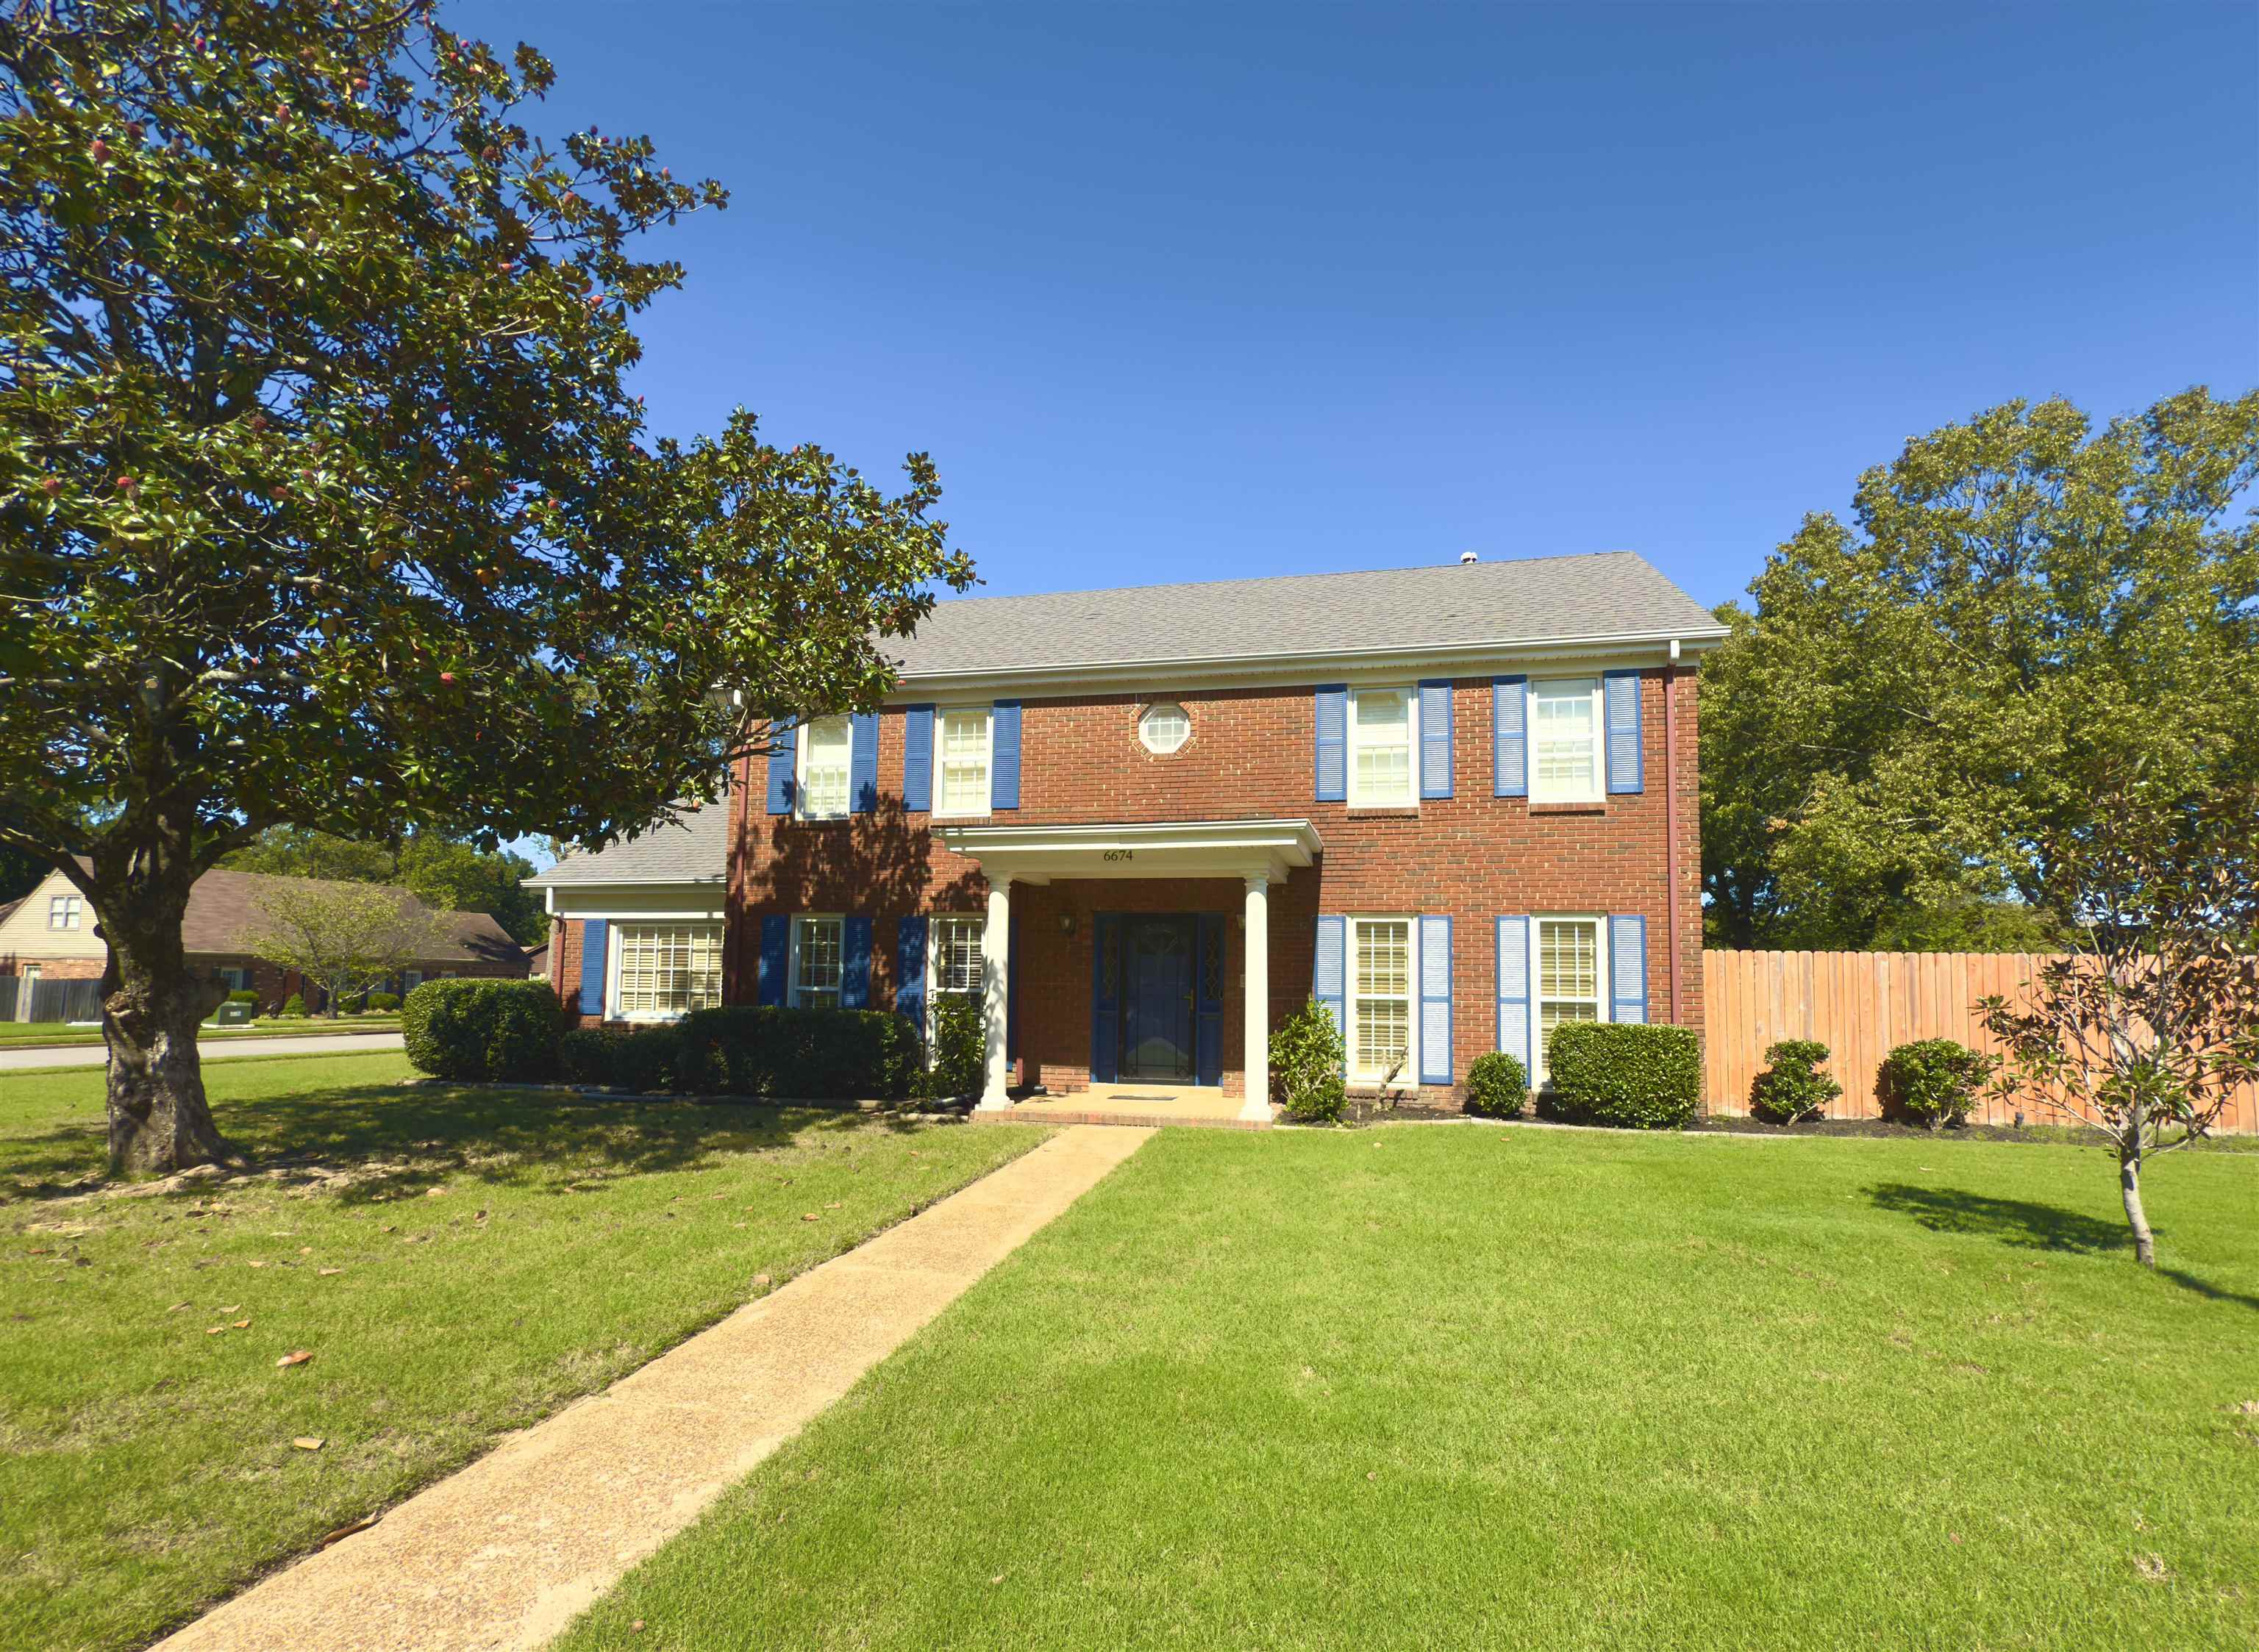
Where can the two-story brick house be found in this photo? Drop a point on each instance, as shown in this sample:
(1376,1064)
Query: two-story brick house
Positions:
(1456,804)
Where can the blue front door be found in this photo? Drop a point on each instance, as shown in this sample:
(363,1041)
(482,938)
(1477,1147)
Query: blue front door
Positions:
(1157,999)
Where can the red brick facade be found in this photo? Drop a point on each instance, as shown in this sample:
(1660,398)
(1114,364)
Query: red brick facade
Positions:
(1251,756)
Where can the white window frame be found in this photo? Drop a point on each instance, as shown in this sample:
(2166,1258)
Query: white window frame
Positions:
(800,922)
(1144,738)
(1407,1077)
(933,990)
(805,748)
(615,953)
(941,716)
(1541,791)
(1358,796)
(1603,1003)
(68,908)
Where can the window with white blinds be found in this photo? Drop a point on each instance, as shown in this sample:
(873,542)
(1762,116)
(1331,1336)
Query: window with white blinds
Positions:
(1568,984)
(1380,999)
(666,969)
(826,755)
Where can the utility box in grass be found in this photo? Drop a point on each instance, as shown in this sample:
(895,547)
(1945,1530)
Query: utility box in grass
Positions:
(234,1014)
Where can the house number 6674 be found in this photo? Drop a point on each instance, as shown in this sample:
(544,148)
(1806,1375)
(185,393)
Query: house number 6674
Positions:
(1121,854)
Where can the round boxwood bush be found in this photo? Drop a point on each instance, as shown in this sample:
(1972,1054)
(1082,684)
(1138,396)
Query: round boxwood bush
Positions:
(1626,1073)
(1305,1066)
(1933,1082)
(494,1030)
(242,995)
(294,1005)
(1792,1086)
(377,1002)
(1497,1087)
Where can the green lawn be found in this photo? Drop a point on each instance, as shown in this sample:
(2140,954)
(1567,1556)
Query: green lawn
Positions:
(484,1256)
(1437,1387)
(19,1033)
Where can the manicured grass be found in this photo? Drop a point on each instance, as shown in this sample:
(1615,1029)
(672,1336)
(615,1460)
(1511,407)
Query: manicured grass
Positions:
(1456,1386)
(480,1258)
(48,1033)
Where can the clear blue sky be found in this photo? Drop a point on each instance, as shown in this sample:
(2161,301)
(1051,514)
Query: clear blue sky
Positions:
(1229,289)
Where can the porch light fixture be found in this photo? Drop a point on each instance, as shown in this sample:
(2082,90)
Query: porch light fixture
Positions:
(1067,924)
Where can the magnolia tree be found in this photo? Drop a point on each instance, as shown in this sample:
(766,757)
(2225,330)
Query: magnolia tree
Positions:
(323,501)
(343,937)
(2149,1025)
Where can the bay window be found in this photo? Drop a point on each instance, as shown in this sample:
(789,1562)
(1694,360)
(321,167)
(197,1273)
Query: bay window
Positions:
(662,970)
(1564,741)
(1380,748)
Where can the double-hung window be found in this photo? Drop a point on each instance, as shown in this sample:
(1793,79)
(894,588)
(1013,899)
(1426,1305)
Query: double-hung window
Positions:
(665,970)
(955,970)
(1570,977)
(1564,741)
(961,758)
(63,912)
(825,754)
(1380,1000)
(1381,742)
(818,957)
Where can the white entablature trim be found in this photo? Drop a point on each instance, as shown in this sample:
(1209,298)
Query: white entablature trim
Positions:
(1162,848)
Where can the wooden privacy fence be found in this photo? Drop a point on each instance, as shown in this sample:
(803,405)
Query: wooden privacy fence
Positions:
(1862,1006)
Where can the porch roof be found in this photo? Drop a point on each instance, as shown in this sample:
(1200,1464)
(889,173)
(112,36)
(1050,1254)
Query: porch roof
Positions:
(1137,848)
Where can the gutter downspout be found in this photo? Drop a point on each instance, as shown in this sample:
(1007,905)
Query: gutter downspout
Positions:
(1671,813)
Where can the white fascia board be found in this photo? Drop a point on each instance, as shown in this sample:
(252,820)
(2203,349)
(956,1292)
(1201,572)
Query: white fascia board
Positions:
(1139,848)
(1290,669)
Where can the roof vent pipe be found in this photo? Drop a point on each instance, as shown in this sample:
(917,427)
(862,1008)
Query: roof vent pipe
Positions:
(1466,557)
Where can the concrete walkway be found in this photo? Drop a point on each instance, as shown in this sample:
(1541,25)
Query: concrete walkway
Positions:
(503,1554)
(211,1046)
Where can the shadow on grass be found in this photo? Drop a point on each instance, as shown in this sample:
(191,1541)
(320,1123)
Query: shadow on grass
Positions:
(393,1139)
(2018,1221)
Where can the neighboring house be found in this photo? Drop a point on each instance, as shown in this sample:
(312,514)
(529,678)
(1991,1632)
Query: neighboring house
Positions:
(50,936)
(636,930)
(1456,805)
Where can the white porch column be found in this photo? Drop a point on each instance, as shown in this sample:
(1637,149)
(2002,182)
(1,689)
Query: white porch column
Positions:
(1257,1104)
(995,976)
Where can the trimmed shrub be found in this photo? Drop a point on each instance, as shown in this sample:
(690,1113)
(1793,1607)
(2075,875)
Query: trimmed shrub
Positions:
(815,1055)
(382,1001)
(294,1005)
(493,1030)
(1497,1087)
(589,1055)
(960,1047)
(651,1061)
(1305,1066)
(1626,1073)
(1933,1082)
(1792,1086)
(242,995)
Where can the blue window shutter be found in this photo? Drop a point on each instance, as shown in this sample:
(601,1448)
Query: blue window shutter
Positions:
(1509,736)
(776,956)
(863,762)
(1436,739)
(1436,999)
(855,963)
(1620,695)
(1516,1027)
(910,970)
(1106,997)
(785,740)
(917,758)
(1210,933)
(1628,967)
(596,936)
(1328,978)
(1004,755)
(1333,743)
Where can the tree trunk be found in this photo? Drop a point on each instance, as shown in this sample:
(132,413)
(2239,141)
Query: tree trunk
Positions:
(152,1003)
(2129,1187)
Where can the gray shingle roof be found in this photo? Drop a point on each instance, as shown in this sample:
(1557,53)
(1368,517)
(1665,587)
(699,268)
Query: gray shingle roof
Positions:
(695,850)
(1539,599)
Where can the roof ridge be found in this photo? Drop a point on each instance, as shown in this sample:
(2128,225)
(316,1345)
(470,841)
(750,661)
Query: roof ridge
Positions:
(1282,578)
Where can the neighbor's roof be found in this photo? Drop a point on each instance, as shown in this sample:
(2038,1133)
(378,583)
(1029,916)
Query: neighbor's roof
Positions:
(1537,600)
(223,906)
(693,849)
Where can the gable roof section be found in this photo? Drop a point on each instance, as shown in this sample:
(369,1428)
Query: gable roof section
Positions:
(224,904)
(693,849)
(1593,598)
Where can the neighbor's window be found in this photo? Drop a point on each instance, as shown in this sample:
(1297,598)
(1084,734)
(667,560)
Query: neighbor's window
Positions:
(818,956)
(1568,975)
(1564,741)
(962,758)
(825,753)
(1381,746)
(665,969)
(62,912)
(1381,998)
(956,970)
(1164,727)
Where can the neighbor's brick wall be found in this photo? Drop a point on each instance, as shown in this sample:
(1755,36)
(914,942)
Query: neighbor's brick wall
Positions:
(1252,755)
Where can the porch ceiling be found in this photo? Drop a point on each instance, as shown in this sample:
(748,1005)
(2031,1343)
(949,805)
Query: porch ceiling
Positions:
(1144,849)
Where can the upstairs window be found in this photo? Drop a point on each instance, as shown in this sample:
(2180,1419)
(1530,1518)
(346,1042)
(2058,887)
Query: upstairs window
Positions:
(63,912)
(961,761)
(824,758)
(818,957)
(1380,748)
(1569,987)
(1564,741)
